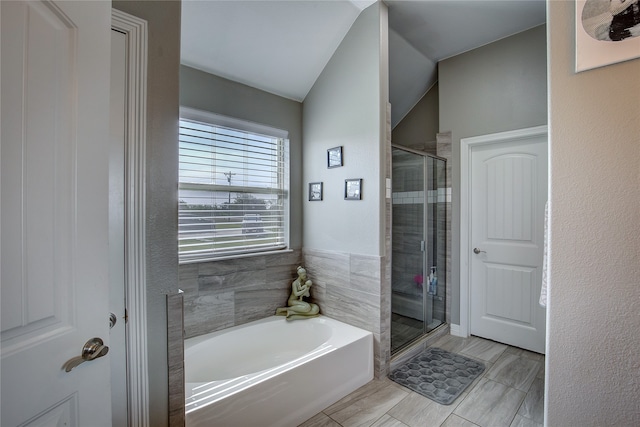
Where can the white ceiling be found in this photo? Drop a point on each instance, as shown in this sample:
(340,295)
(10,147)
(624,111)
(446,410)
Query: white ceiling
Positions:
(282,46)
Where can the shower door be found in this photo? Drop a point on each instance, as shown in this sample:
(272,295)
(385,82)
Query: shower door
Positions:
(418,246)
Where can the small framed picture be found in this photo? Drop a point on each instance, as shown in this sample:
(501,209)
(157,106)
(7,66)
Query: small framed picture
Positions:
(334,157)
(315,191)
(353,189)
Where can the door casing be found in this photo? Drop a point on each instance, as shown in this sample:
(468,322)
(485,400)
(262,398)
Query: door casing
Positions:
(466,145)
(137,373)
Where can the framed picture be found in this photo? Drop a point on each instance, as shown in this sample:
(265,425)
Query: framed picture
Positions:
(315,191)
(353,189)
(607,31)
(334,157)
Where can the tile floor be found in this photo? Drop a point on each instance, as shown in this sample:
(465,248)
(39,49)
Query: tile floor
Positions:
(510,393)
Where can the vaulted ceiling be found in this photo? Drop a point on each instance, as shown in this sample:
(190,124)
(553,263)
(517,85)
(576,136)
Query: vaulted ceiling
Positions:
(282,46)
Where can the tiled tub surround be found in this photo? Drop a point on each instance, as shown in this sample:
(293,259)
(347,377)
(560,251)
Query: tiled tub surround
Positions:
(225,293)
(347,287)
(354,289)
(289,380)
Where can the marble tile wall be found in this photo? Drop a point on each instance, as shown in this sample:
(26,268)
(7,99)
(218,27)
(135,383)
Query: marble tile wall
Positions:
(225,293)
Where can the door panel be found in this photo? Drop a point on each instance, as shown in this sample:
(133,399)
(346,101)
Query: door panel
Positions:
(36,171)
(55,81)
(508,193)
(61,414)
(509,292)
(510,189)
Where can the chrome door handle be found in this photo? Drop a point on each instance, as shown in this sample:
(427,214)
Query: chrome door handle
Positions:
(477,251)
(91,350)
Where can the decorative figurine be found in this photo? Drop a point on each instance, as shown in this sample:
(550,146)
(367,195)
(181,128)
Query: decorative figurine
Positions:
(297,307)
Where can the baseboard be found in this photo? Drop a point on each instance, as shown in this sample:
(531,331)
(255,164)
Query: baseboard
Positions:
(456,331)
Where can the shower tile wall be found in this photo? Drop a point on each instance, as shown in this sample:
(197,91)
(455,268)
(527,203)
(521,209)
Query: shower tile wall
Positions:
(444,149)
(408,211)
(226,293)
(408,235)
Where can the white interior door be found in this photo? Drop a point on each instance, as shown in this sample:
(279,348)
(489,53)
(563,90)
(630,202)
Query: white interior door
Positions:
(54,223)
(508,192)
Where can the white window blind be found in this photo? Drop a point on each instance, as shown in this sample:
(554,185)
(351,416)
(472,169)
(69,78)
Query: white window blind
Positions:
(233,187)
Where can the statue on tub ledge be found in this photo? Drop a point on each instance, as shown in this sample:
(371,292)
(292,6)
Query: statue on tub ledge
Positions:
(298,308)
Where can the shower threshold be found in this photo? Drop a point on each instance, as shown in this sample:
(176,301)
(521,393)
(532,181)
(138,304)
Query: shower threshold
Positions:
(420,343)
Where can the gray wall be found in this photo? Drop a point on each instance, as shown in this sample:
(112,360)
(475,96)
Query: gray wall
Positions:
(344,240)
(411,76)
(204,91)
(161,194)
(418,129)
(495,88)
(225,293)
(592,372)
(344,109)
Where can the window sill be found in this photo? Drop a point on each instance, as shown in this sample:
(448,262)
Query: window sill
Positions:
(230,257)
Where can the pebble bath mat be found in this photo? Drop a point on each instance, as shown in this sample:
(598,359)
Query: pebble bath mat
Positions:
(438,374)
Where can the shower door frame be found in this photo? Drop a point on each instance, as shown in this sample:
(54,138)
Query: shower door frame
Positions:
(425,224)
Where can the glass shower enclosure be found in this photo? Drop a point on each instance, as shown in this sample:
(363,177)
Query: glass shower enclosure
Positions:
(418,245)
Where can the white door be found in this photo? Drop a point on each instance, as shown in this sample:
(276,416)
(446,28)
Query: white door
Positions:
(508,192)
(54,223)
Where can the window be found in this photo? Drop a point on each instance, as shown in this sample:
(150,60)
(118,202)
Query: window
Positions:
(233,187)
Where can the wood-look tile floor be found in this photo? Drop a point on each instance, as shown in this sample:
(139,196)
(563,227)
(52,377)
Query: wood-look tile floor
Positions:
(510,393)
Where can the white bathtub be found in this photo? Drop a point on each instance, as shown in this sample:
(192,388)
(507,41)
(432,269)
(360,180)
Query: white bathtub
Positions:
(272,372)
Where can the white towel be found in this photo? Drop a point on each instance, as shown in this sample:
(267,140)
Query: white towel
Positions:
(545,282)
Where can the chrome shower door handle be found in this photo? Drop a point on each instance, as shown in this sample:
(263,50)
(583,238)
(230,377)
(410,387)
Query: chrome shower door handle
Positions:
(477,251)
(91,350)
